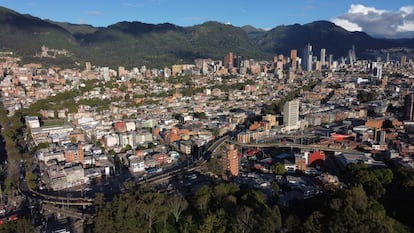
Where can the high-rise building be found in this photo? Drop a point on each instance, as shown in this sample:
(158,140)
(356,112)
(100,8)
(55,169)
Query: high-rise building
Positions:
(293,56)
(105,73)
(232,160)
(121,71)
(323,57)
(403,60)
(378,72)
(409,107)
(352,55)
(291,114)
(74,153)
(88,66)
(307,58)
(330,60)
(228,61)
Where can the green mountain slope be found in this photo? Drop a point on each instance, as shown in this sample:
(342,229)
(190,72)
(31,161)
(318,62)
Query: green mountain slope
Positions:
(25,34)
(135,43)
(320,34)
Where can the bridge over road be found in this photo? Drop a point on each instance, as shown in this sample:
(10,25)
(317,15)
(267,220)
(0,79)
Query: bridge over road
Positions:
(293,145)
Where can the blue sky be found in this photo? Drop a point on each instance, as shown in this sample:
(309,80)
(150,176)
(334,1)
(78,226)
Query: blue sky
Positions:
(262,13)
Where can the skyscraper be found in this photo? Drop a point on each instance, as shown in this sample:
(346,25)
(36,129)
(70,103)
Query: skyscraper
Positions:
(307,58)
(403,60)
(330,61)
(409,107)
(352,55)
(323,57)
(293,56)
(228,61)
(291,114)
(232,160)
(88,66)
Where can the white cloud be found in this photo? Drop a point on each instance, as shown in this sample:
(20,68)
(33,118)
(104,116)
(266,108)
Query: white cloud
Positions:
(406,10)
(407,26)
(347,25)
(361,9)
(378,22)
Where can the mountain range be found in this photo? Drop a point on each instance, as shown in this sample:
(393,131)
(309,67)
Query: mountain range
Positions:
(136,43)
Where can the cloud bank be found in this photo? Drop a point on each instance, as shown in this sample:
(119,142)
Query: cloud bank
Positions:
(377,22)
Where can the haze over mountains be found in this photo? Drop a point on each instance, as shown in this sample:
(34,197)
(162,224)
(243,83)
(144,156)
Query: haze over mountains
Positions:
(137,43)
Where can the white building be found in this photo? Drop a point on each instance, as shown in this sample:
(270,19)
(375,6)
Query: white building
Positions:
(143,136)
(127,139)
(111,140)
(50,155)
(74,175)
(130,126)
(136,164)
(32,122)
(291,115)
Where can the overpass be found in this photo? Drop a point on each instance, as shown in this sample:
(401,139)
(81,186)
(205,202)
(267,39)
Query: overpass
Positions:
(64,211)
(50,201)
(293,145)
(73,201)
(212,148)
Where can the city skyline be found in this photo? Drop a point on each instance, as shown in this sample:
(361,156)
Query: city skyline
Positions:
(379,19)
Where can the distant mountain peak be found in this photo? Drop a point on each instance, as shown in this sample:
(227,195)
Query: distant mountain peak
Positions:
(137,43)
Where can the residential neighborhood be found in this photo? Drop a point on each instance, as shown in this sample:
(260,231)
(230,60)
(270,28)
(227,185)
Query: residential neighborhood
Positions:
(122,124)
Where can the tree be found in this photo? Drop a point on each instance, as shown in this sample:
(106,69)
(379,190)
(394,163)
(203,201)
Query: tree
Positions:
(202,197)
(374,181)
(21,226)
(201,115)
(279,169)
(99,201)
(8,182)
(211,224)
(31,179)
(314,223)
(366,96)
(152,205)
(405,177)
(177,205)
(245,220)
(275,189)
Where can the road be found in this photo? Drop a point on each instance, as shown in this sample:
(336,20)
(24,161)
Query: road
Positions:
(187,165)
(74,201)
(293,145)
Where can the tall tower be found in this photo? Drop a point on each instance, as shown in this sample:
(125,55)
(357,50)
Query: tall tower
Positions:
(88,66)
(323,57)
(330,61)
(121,71)
(403,60)
(228,61)
(293,56)
(352,55)
(409,107)
(291,114)
(232,160)
(307,58)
